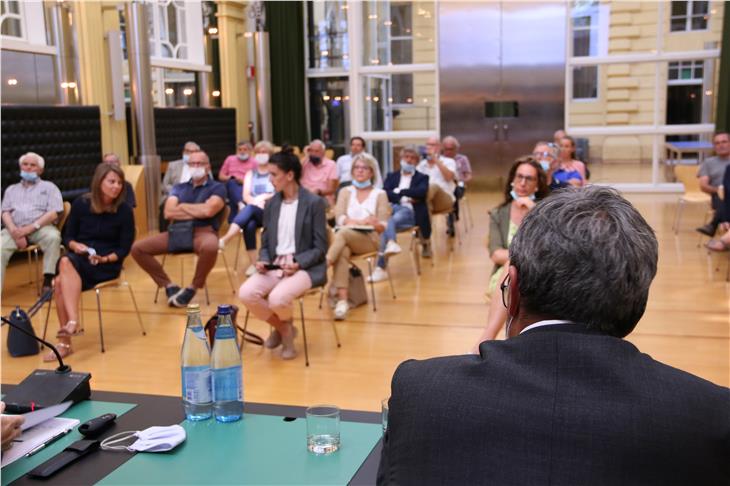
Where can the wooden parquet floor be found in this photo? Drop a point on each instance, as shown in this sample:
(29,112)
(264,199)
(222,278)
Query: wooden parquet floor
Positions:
(687,322)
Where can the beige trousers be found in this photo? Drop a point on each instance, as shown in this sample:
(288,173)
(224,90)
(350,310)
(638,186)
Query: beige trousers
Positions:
(346,243)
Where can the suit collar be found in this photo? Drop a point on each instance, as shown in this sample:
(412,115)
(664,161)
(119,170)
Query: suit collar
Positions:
(573,327)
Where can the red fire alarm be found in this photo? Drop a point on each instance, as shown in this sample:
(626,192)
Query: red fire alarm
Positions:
(250,72)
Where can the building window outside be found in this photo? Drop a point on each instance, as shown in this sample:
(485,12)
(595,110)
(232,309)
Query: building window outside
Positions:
(689,15)
(167,26)
(11,19)
(329,111)
(684,94)
(586,31)
(327,35)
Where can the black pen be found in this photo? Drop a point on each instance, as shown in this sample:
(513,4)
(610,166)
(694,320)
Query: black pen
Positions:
(48,442)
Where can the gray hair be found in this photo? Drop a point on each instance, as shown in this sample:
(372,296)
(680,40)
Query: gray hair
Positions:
(588,256)
(552,148)
(451,139)
(369,161)
(319,142)
(39,159)
(244,142)
(111,156)
(192,146)
(410,148)
(264,145)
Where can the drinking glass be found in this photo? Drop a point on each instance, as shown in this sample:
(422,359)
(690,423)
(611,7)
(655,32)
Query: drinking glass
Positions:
(384,413)
(323,429)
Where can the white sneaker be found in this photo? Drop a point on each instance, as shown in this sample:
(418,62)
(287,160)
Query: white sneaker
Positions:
(392,248)
(378,275)
(341,309)
(221,244)
(250,270)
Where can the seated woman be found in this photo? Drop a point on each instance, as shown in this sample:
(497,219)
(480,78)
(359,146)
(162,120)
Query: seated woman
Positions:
(570,172)
(257,189)
(528,184)
(292,256)
(361,214)
(98,236)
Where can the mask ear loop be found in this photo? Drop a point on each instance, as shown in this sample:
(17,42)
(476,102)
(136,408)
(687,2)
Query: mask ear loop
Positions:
(116,438)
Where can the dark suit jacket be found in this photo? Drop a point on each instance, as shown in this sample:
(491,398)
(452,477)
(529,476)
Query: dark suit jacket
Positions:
(557,405)
(310,234)
(418,191)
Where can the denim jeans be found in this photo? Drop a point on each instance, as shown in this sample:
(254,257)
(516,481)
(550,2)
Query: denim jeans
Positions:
(249,219)
(403,217)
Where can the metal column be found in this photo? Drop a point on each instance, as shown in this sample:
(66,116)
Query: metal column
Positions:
(138,53)
(263,84)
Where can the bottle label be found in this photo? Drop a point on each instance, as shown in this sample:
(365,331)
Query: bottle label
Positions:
(227,384)
(196,384)
(226,332)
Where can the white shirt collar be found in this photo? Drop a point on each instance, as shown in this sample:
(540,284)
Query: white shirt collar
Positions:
(550,322)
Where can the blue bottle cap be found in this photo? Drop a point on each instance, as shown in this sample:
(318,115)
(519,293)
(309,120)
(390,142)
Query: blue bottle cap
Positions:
(224,309)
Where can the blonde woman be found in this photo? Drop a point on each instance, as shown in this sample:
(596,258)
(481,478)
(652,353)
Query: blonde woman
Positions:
(361,214)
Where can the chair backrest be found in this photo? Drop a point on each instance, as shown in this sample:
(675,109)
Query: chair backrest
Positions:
(223,218)
(64,215)
(687,175)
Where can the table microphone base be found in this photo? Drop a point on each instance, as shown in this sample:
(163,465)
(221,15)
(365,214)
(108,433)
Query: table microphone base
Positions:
(45,388)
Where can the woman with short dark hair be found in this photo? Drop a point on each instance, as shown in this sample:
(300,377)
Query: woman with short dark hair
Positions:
(98,236)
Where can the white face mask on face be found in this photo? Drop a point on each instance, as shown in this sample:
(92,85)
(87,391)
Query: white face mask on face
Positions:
(153,439)
(262,159)
(197,172)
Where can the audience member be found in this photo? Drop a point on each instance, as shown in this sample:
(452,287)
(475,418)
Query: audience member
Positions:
(292,256)
(344,164)
(407,190)
(98,235)
(546,154)
(527,185)
(450,148)
(200,199)
(361,215)
(129,196)
(178,170)
(232,173)
(441,172)
(558,136)
(723,211)
(29,210)
(570,172)
(710,176)
(9,427)
(564,400)
(319,174)
(257,189)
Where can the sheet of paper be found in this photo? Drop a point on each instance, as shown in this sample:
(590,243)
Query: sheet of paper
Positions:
(33,437)
(35,418)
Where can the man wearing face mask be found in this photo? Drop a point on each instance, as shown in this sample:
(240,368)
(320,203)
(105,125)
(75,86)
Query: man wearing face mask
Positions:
(546,154)
(319,174)
(344,164)
(232,173)
(29,210)
(178,170)
(441,172)
(200,199)
(407,190)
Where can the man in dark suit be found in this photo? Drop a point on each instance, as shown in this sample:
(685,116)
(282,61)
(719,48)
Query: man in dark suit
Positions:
(407,190)
(564,400)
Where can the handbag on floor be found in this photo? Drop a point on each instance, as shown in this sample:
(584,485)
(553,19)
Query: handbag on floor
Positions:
(357,293)
(250,337)
(22,343)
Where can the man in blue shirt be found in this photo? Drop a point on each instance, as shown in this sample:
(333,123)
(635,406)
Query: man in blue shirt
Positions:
(200,199)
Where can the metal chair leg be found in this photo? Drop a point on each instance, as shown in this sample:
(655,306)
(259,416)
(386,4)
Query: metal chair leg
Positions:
(101,326)
(37,271)
(678,216)
(207,297)
(321,297)
(238,250)
(48,314)
(304,331)
(372,284)
(392,288)
(243,331)
(228,271)
(136,309)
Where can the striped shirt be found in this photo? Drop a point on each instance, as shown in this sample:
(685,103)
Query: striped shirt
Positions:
(28,202)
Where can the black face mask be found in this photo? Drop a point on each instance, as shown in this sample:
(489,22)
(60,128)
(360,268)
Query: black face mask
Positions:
(315,160)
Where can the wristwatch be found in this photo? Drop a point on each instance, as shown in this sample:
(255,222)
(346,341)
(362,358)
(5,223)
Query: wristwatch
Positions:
(36,225)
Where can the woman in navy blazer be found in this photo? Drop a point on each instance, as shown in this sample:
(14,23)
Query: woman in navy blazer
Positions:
(292,256)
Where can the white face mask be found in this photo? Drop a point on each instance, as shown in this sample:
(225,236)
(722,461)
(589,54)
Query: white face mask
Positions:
(153,439)
(262,159)
(197,173)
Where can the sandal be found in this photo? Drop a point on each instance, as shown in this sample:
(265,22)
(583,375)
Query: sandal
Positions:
(717,245)
(71,329)
(64,349)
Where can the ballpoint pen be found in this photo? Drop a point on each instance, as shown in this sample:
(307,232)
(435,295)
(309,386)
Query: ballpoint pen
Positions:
(47,443)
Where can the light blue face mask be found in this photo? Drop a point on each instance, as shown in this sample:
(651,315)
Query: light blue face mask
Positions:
(545,165)
(186,157)
(407,168)
(28,176)
(362,185)
(515,196)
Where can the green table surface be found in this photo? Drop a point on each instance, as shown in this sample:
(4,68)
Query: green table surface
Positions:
(83,411)
(260,449)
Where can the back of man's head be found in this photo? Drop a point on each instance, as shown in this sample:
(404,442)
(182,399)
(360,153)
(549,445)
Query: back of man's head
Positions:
(588,256)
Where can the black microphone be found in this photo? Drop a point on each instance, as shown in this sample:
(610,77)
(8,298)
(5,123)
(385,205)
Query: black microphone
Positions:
(45,388)
(62,368)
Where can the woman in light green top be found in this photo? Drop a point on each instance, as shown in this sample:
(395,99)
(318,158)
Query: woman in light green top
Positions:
(527,185)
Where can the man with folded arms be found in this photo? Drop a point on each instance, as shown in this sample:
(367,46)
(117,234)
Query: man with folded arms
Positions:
(200,199)
(29,210)
(564,400)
